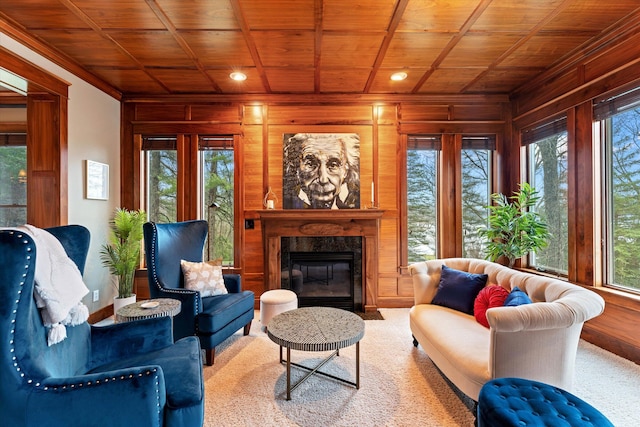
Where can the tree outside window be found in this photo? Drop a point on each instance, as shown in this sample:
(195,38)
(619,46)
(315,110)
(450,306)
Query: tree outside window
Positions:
(476,192)
(161,178)
(422,197)
(217,177)
(547,156)
(622,148)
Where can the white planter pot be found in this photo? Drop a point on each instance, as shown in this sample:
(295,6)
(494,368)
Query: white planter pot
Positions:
(118,303)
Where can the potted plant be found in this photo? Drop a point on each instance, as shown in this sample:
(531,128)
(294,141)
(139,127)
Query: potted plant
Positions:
(514,228)
(121,253)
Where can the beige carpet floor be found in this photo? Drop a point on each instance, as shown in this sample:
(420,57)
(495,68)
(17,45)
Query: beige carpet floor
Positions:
(399,386)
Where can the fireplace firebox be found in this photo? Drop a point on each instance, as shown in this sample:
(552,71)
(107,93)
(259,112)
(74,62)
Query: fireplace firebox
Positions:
(321,278)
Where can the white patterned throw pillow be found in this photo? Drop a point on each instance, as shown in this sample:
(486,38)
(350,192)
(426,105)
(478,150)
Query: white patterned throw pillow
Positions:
(205,277)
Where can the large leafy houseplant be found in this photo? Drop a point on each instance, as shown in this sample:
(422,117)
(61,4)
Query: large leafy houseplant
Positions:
(121,254)
(514,229)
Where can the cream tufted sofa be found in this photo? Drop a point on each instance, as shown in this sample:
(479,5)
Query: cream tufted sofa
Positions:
(536,341)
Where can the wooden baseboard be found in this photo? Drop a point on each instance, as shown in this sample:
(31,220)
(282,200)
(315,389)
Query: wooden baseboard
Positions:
(101,314)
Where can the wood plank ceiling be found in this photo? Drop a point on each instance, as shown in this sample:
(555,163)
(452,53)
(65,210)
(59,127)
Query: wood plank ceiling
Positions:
(315,46)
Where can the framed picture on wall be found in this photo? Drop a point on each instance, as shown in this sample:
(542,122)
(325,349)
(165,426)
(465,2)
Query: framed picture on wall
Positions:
(97,180)
(321,171)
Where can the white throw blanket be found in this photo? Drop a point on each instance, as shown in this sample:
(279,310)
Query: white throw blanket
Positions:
(58,285)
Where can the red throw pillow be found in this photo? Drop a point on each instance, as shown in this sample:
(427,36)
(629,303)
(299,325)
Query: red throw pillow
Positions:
(490,296)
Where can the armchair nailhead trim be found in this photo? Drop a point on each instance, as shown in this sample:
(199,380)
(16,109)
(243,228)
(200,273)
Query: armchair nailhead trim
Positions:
(16,302)
(156,282)
(106,380)
(37,384)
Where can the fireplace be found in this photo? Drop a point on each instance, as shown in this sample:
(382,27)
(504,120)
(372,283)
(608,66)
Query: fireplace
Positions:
(323,271)
(331,224)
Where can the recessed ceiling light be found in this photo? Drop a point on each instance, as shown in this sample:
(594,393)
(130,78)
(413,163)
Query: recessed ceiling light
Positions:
(398,76)
(238,76)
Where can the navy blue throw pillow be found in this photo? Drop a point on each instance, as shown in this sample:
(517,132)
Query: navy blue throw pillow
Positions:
(517,297)
(458,289)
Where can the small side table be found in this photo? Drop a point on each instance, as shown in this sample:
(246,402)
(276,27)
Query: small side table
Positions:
(148,309)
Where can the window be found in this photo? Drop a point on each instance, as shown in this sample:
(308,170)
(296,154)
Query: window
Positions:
(619,121)
(422,197)
(161,178)
(169,189)
(547,174)
(217,184)
(13,180)
(476,191)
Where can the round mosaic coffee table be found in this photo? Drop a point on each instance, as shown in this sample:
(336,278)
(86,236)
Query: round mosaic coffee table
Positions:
(316,329)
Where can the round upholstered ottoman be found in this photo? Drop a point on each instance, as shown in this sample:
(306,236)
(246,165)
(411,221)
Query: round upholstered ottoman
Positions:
(518,402)
(274,302)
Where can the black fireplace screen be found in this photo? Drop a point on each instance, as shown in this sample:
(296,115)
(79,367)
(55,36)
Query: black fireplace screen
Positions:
(321,278)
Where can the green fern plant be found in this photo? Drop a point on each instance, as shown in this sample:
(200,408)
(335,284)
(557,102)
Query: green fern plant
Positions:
(514,229)
(121,253)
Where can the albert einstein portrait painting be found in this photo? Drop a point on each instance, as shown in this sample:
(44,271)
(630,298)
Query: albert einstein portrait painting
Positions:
(321,171)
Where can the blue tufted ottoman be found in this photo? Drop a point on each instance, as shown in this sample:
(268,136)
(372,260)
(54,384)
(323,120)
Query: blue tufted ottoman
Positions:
(507,402)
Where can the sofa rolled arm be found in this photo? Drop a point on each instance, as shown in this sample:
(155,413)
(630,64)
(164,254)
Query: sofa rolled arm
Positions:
(576,306)
(425,277)
(133,396)
(112,342)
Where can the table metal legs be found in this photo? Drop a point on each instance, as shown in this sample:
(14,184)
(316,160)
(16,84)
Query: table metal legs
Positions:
(316,370)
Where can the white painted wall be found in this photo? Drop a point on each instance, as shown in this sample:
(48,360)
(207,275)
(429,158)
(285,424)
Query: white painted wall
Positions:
(94,134)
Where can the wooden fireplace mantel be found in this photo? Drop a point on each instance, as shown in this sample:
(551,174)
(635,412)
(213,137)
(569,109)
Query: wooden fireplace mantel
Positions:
(278,223)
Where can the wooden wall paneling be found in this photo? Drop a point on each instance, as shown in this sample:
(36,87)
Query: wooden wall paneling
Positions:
(388,251)
(387,114)
(423,112)
(387,161)
(320,115)
(448,212)
(387,287)
(451,127)
(217,113)
(13,127)
(254,114)
(164,112)
(611,67)
(193,200)
(255,163)
(131,180)
(374,199)
(275,158)
(616,329)
(582,219)
(263,111)
(186,127)
(44,210)
(477,112)
(183,177)
(47,160)
(623,55)
(238,203)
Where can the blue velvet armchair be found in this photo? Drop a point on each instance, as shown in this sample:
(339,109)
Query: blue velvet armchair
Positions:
(213,319)
(126,374)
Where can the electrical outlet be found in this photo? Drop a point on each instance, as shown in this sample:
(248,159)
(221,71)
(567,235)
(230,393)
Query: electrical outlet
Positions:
(96,295)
